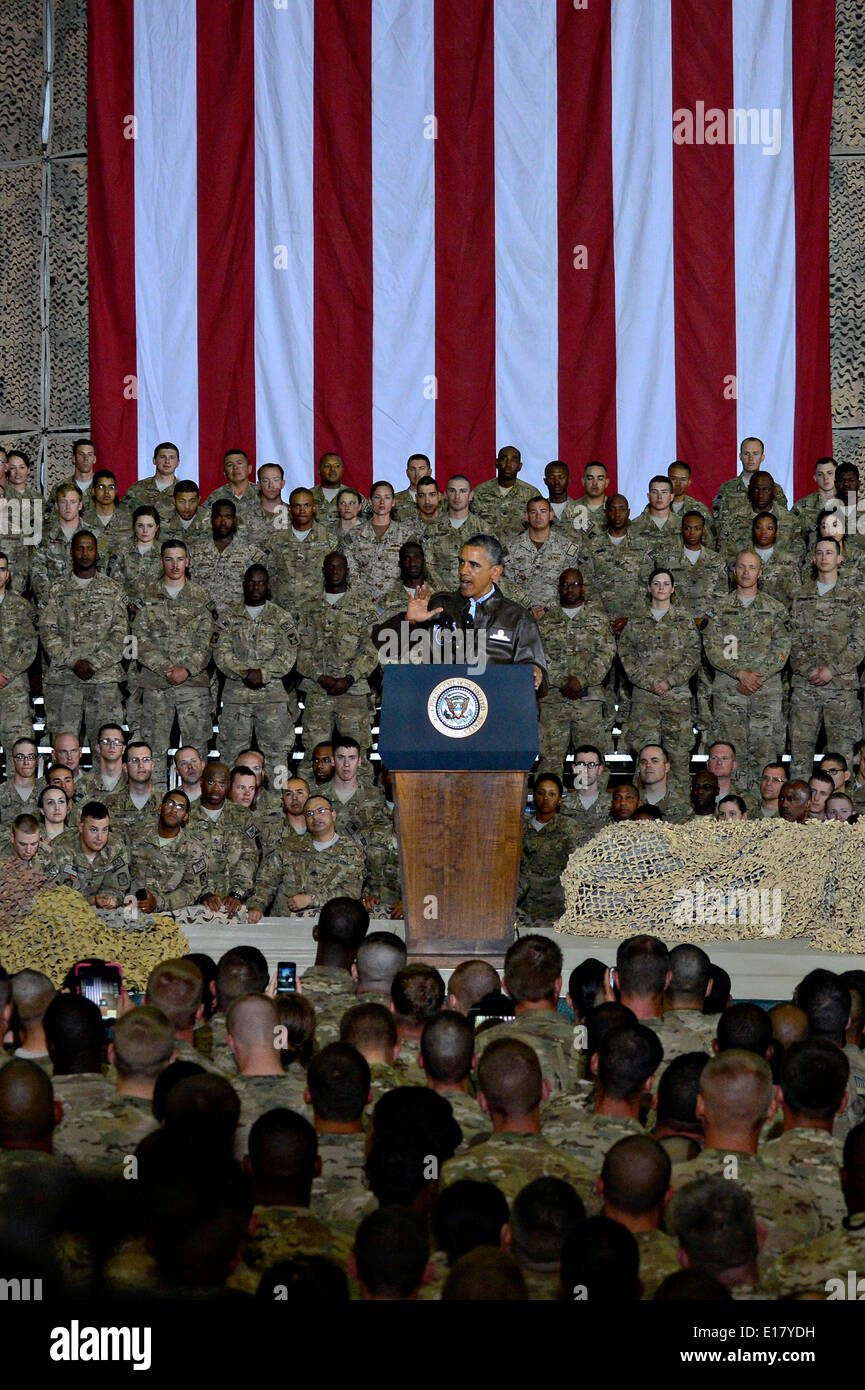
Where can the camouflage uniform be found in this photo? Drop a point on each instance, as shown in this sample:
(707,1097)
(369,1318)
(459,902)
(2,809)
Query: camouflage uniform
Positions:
(442,543)
(676,1037)
(576,515)
(664,650)
(12,804)
(582,645)
(326,510)
(618,574)
(543,859)
(198,528)
(780,578)
(759,635)
(98,1137)
(551,1037)
(232,845)
(587,1137)
(734,494)
(806,512)
(331,991)
(659,544)
(782,1202)
(84,622)
(145,492)
(268,643)
(51,562)
(827,630)
(111,535)
(107,873)
(810,1266)
(381,874)
(133,572)
(174,870)
(334,639)
(247,508)
(342,1163)
(694,1021)
(587,819)
(700,585)
(364,815)
(816,1157)
(294,566)
(690,504)
(18,647)
(125,815)
(658,1259)
(474,1123)
(220,572)
(512,1161)
(283,1233)
(259,1094)
(175,632)
(537,568)
(320,874)
(373,559)
(91,786)
(501,512)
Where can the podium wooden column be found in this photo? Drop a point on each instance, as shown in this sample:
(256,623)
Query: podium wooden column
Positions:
(459,746)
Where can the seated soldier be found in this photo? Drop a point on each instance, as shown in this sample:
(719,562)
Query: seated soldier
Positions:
(338,1090)
(625,1066)
(168,860)
(542,1217)
(635,1186)
(601,1263)
(533,979)
(417,995)
(27,847)
(549,839)
(252,1027)
(93,861)
(391,1255)
(447,1057)
(32,993)
(718,1234)
(370,1028)
(324,866)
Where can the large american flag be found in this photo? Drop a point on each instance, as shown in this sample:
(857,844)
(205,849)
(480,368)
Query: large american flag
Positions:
(387,226)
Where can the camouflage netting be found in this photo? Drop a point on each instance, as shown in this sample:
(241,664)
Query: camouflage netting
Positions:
(61,928)
(714,881)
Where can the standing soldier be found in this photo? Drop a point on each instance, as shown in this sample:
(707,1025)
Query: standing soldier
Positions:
(174,634)
(326,493)
(548,841)
(135,564)
(444,540)
(294,562)
(657,527)
(336,657)
(109,520)
(735,528)
(417,466)
(679,474)
(828,643)
(50,561)
(660,651)
(592,516)
(536,558)
(780,578)
(18,646)
(187,520)
(83,629)
(239,489)
(501,502)
(133,803)
(255,651)
(220,562)
(271,513)
(734,491)
(557,476)
(230,837)
(372,548)
(580,650)
(747,641)
(808,508)
(158,489)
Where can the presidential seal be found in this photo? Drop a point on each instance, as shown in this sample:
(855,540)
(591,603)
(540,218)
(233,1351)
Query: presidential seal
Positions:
(457,708)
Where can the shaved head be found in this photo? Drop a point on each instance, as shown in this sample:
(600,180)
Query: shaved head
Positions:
(470,982)
(789,1024)
(509,1077)
(636,1175)
(737,1089)
(251,1021)
(26,1104)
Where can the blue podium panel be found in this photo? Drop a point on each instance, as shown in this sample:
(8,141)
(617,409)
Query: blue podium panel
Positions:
(450,719)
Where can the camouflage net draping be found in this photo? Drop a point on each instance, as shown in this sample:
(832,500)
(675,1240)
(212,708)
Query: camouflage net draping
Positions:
(721,881)
(60,928)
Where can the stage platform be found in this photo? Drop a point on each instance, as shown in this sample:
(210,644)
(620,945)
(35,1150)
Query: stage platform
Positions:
(763,970)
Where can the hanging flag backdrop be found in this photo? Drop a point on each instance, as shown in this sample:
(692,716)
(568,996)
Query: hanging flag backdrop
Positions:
(595,229)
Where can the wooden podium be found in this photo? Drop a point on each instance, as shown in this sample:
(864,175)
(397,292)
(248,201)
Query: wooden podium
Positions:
(459,746)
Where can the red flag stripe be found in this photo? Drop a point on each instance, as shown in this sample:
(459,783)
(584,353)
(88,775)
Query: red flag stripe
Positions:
(342,173)
(704,265)
(587,310)
(226,237)
(111,237)
(813,81)
(465,261)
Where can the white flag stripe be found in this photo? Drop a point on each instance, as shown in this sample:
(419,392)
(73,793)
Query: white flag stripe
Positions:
(166,231)
(643,244)
(403,224)
(284,239)
(765,236)
(527,409)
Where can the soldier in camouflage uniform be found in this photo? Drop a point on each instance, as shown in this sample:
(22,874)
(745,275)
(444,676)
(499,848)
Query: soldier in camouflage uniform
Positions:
(231,839)
(827,645)
(533,980)
(423,514)
(735,1099)
(417,466)
(679,474)
(382,886)
(443,540)
(501,503)
(92,860)
(535,558)
(83,632)
(701,581)
(660,652)
(135,565)
(615,567)
(567,512)
(241,490)
(734,492)
(335,658)
(627,1060)
(270,514)
(18,646)
(187,521)
(134,802)
(656,530)
(325,494)
(169,862)
(174,633)
(808,508)
(109,520)
(735,529)
(589,804)
(580,650)
(220,563)
(256,650)
(781,569)
(414,571)
(157,490)
(51,562)
(747,642)
(299,877)
(590,506)
(548,841)
(296,555)
(516,1152)
(372,548)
